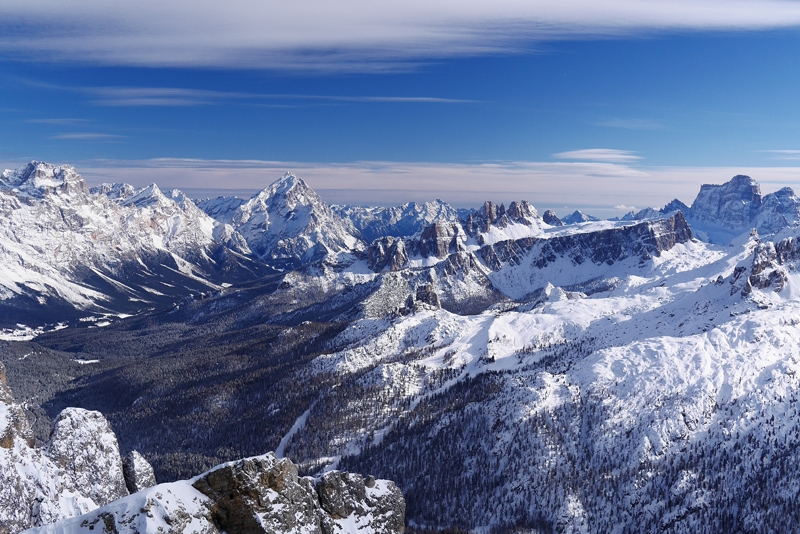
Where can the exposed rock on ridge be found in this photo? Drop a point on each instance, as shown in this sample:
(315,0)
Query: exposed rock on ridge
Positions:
(258,495)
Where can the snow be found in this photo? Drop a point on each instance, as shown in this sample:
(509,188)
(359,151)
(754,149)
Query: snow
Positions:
(61,228)
(296,427)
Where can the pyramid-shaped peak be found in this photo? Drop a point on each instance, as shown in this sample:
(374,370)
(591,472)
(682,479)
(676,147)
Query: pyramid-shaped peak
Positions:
(151,190)
(288,190)
(288,182)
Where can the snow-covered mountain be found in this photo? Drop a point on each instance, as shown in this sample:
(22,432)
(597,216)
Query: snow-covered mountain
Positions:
(719,213)
(577,217)
(220,208)
(68,251)
(508,372)
(288,225)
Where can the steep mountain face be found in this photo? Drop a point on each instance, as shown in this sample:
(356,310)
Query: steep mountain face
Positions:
(79,468)
(67,251)
(288,225)
(400,221)
(720,213)
(732,205)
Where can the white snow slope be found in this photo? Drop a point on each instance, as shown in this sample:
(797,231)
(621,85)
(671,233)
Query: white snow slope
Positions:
(613,399)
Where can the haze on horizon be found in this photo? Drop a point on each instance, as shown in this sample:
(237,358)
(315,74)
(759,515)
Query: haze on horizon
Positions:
(611,106)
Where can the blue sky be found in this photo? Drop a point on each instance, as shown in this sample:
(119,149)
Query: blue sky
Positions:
(625,105)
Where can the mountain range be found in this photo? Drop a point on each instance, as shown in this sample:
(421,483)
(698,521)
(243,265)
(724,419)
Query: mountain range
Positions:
(508,371)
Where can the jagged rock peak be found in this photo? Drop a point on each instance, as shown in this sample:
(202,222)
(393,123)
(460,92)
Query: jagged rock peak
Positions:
(551,218)
(490,214)
(138,472)
(78,470)
(116,191)
(150,195)
(38,178)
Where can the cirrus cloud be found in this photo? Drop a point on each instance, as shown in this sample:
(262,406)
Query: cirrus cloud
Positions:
(357,34)
(599,154)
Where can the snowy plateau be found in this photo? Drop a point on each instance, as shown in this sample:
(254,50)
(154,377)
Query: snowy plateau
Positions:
(509,372)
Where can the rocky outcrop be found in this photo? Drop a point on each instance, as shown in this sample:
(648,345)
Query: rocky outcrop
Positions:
(643,240)
(551,218)
(78,470)
(258,495)
(441,239)
(138,472)
(85,448)
(491,215)
(377,505)
(438,240)
(388,253)
(771,264)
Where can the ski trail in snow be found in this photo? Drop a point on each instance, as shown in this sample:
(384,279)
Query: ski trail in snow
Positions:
(296,427)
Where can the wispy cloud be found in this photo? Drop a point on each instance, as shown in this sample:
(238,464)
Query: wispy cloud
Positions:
(355,35)
(631,124)
(59,122)
(625,208)
(175,96)
(784,154)
(87,136)
(599,154)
